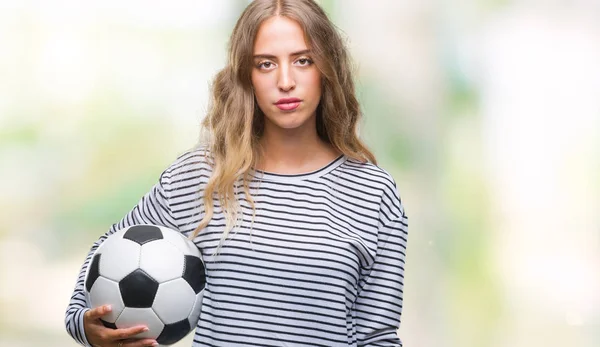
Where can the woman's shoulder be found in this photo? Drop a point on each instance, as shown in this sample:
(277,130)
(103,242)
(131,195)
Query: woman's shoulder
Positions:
(193,162)
(370,172)
(378,178)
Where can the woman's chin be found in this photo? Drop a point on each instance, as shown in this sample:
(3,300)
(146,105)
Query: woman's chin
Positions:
(289,121)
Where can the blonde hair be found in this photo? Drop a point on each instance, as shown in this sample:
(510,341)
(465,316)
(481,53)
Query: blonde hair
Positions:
(234,123)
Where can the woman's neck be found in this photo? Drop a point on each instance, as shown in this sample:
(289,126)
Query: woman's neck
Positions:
(287,154)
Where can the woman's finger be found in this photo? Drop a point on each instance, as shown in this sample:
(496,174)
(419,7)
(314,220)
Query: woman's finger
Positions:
(126,333)
(98,312)
(139,343)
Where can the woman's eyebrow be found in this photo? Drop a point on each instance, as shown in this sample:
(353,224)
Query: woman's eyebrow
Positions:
(270,56)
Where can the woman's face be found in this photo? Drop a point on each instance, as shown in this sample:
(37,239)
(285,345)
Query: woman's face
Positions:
(287,84)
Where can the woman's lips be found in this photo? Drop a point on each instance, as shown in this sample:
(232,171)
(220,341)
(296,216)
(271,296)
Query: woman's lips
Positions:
(288,106)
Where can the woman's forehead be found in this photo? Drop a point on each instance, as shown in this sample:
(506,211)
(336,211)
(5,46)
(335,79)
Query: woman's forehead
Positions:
(279,36)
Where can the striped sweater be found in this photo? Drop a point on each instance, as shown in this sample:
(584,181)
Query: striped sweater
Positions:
(322,265)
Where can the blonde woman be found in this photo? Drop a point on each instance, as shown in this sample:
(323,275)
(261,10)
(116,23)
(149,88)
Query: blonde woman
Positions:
(303,235)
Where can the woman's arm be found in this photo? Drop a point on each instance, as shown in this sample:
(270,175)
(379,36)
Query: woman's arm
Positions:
(379,304)
(153,208)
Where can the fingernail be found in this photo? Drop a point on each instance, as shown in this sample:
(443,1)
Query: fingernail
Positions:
(154,343)
(107,308)
(145,329)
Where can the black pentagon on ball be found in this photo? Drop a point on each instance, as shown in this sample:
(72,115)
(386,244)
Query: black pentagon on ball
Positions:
(143,234)
(138,289)
(193,273)
(172,333)
(94,272)
(108,324)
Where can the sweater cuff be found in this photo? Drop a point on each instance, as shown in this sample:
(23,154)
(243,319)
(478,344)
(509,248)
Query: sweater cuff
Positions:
(81,328)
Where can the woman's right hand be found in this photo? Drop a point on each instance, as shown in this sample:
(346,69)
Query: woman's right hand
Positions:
(100,336)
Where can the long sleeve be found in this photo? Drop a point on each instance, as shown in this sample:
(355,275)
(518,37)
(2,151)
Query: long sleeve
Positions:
(378,306)
(153,208)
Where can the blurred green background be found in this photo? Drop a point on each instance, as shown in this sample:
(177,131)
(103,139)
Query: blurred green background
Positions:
(487,113)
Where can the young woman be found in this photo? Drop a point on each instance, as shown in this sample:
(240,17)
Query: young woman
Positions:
(303,236)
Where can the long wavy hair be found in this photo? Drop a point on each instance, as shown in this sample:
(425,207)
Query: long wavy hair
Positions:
(234,123)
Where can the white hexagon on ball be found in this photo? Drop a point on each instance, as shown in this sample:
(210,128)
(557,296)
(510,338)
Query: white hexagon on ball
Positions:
(105,291)
(119,258)
(182,243)
(161,260)
(174,301)
(195,314)
(131,317)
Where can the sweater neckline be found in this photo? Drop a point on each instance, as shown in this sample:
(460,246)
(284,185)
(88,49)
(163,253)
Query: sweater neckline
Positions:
(272,176)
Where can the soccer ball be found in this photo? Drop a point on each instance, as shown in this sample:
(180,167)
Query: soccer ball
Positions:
(151,275)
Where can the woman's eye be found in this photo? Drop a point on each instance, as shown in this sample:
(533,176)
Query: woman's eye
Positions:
(304,61)
(266,64)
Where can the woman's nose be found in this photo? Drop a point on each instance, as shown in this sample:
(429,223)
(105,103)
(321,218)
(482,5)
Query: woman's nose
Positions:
(286,81)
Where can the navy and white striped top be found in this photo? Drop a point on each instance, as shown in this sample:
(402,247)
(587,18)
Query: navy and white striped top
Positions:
(322,266)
